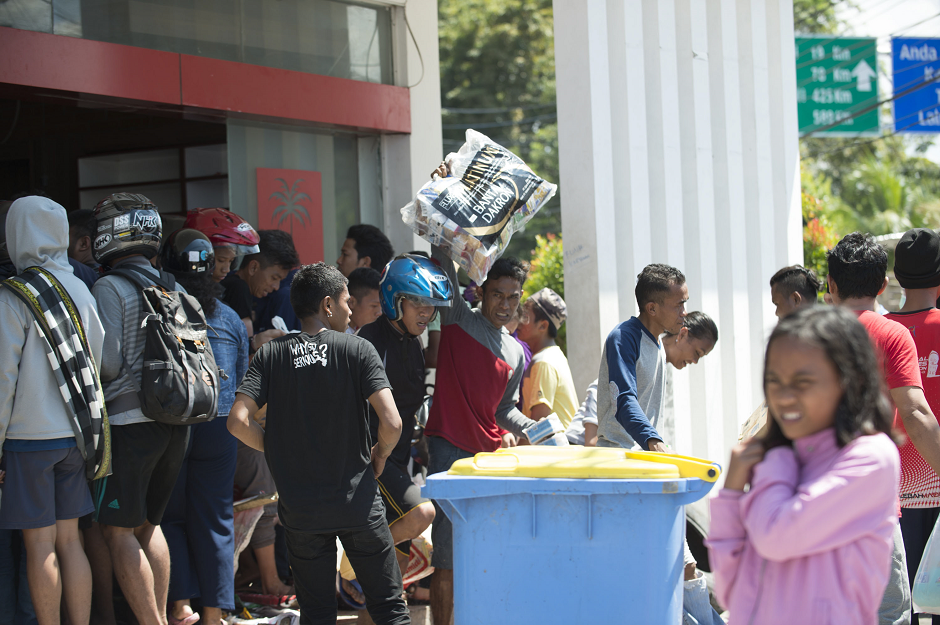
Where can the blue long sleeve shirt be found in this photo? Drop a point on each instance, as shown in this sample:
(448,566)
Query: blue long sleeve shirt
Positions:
(229,340)
(631,387)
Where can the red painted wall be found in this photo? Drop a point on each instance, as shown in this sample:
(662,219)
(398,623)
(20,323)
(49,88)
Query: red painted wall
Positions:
(150,77)
(292,200)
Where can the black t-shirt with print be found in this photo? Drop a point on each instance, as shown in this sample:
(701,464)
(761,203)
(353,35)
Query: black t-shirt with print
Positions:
(317,441)
(238,295)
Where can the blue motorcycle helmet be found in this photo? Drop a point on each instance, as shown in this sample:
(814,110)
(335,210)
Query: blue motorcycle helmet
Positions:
(416,278)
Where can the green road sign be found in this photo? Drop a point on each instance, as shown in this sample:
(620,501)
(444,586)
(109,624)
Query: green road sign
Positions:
(836,79)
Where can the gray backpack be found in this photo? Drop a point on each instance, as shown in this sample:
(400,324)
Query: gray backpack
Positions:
(180,380)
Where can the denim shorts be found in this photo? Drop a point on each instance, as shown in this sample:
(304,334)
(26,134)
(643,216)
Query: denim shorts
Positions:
(42,487)
(441,455)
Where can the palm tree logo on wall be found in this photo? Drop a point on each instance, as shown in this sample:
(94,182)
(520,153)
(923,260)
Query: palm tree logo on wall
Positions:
(289,206)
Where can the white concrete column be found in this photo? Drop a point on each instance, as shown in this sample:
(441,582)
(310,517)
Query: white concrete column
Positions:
(678,144)
(407,160)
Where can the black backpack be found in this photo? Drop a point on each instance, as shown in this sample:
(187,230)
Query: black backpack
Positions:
(180,380)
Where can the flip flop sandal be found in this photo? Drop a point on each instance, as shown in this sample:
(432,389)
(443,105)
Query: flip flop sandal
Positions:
(345,596)
(189,620)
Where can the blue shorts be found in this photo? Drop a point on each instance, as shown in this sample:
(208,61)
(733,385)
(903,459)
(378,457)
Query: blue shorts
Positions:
(42,487)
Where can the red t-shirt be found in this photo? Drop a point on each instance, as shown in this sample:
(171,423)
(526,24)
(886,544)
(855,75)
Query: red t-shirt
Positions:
(920,486)
(895,348)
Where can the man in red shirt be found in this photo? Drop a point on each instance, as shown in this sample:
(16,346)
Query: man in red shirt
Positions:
(479,369)
(917,269)
(857,275)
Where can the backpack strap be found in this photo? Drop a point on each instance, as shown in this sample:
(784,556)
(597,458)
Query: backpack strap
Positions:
(142,279)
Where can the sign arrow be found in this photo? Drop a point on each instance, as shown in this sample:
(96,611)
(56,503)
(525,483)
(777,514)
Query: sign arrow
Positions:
(864,73)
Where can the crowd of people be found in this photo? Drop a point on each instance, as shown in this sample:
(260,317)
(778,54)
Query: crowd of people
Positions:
(318,374)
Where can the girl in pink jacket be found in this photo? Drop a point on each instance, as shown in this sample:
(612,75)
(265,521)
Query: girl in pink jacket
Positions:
(811,540)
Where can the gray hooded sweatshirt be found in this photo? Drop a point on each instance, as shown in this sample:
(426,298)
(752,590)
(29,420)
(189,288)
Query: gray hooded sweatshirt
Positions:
(31,406)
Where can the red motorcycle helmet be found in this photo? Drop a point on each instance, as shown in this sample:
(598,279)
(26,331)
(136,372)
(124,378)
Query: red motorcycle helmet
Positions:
(224,229)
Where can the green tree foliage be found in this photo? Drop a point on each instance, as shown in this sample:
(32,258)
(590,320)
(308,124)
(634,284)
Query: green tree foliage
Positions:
(498,77)
(818,233)
(548,270)
(878,186)
(815,16)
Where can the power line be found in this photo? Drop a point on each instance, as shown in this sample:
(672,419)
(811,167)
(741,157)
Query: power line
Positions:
(875,106)
(521,122)
(870,141)
(851,47)
(871,17)
(492,111)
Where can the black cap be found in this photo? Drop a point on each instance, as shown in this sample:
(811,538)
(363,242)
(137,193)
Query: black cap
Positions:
(917,259)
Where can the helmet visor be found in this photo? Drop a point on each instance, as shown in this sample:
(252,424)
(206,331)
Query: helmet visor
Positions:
(417,300)
(240,252)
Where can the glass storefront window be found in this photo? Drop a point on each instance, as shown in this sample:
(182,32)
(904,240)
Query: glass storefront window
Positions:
(175,179)
(336,157)
(327,37)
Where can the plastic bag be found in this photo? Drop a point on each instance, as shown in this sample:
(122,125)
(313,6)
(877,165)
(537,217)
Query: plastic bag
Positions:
(472,213)
(926,591)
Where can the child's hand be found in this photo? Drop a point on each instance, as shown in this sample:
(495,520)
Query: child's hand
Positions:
(744,456)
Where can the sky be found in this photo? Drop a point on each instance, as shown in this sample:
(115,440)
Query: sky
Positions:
(885,19)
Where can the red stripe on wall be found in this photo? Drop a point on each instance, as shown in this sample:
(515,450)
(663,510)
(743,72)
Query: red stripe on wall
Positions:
(82,66)
(67,64)
(280,93)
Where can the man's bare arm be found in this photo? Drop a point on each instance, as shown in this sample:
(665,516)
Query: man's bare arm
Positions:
(242,424)
(389,428)
(920,423)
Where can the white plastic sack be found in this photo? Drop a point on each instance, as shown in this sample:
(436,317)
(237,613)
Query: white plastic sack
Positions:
(926,591)
(472,213)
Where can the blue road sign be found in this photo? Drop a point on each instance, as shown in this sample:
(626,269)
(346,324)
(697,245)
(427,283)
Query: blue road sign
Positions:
(916,84)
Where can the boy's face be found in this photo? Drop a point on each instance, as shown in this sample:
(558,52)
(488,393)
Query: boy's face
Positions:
(80,246)
(500,300)
(671,311)
(264,281)
(365,310)
(340,312)
(223,262)
(414,317)
(785,303)
(529,326)
(349,258)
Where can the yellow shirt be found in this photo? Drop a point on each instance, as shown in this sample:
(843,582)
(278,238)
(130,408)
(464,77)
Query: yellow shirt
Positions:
(549,382)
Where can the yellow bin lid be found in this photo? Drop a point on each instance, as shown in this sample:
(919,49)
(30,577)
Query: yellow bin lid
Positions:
(583,463)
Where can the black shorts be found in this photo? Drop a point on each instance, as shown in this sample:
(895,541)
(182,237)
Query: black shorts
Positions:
(400,496)
(145,462)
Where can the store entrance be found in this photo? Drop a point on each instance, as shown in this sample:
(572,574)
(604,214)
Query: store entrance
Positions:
(77,153)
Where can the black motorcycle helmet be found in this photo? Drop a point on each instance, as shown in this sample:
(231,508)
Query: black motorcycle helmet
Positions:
(188,251)
(128,223)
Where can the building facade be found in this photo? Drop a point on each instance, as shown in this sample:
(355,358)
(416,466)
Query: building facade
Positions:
(303,115)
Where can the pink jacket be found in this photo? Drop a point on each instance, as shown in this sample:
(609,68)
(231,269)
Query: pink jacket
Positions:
(811,541)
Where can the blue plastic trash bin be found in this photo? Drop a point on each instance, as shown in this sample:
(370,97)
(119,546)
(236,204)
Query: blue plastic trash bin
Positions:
(569,535)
